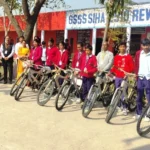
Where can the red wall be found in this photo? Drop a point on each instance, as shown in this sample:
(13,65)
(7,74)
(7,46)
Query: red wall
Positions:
(46,21)
(50,34)
(52,21)
(145,35)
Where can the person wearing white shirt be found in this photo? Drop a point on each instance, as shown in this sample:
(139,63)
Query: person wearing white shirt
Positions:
(44,52)
(7,52)
(105,58)
(143,71)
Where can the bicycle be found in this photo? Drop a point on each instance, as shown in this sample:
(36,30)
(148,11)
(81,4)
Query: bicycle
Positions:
(33,77)
(50,87)
(96,92)
(71,88)
(128,98)
(17,82)
(143,130)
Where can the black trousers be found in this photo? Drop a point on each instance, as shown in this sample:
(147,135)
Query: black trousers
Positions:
(8,67)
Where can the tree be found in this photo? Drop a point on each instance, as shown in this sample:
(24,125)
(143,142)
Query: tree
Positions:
(6,22)
(113,7)
(30,9)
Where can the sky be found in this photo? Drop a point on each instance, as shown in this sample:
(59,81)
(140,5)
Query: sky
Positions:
(82,4)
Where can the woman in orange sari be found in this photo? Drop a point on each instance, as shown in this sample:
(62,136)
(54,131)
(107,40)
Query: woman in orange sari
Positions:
(23,53)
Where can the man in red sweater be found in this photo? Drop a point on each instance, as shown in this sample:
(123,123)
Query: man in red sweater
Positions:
(142,69)
(88,67)
(125,62)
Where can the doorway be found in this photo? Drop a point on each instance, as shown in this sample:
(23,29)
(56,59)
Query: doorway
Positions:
(98,45)
(135,43)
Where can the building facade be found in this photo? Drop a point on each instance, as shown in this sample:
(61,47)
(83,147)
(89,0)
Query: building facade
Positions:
(88,25)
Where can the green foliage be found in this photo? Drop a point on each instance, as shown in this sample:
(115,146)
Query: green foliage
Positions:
(13,4)
(117,34)
(115,7)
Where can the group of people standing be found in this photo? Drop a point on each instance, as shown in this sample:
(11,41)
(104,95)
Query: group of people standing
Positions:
(117,66)
(85,63)
(39,54)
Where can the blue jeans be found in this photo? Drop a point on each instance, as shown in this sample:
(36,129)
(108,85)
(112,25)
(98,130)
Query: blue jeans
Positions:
(86,85)
(142,84)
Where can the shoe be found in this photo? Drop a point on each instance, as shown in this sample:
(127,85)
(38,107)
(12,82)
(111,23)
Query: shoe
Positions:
(82,103)
(78,101)
(70,102)
(5,82)
(10,82)
(136,117)
(119,109)
(74,99)
(125,113)
(54,96)
(146,119)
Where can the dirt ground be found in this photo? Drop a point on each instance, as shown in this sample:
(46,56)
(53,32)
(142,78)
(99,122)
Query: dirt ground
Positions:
(25,125)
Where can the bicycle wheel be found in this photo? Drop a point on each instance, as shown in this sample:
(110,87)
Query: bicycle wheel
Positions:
(15,85)
(63,96)
(89,102)
(113,105)
(143,127)
(45,92)
(20,88)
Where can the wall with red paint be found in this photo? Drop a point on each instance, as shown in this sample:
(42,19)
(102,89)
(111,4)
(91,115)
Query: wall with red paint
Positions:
(145,35)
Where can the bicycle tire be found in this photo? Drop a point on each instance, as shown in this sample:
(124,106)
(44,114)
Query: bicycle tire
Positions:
(89,103)
(15,86)
(62,89)
(21,88)
(139,130)
(49,95)
(113,106)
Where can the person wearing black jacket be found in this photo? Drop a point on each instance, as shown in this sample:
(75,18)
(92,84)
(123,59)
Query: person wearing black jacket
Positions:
(7,52)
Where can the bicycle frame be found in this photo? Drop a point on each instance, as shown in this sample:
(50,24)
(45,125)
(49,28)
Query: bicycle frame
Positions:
(123,88)
(99,81)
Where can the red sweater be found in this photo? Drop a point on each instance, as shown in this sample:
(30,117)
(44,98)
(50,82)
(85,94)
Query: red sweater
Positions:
(90,65)
(62,60)
(77,59)
(124,62)
(51,55)
(36,55)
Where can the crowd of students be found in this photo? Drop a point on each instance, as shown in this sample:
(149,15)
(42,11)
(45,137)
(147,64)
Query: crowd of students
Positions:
(86,63)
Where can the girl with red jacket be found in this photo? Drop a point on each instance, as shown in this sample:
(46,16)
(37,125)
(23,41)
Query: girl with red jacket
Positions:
(51,53)
(88,67)
(62,56)
(125,62)
(36,53)
(78,55)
